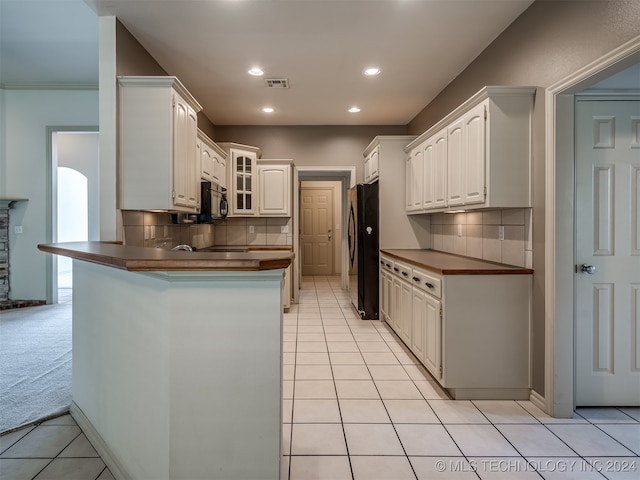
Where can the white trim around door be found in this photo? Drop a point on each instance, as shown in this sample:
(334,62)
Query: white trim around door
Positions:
(559,226)
(348,177)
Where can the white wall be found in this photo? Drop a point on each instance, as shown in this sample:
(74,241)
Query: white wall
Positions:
(23,173)
(79,151)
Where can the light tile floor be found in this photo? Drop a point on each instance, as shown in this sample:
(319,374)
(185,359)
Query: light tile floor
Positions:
(357,405)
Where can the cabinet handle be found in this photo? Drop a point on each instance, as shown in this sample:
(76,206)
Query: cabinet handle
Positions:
(416,279)
(381,262)
(396,269)
(388,265)
(429,285)
(405,274)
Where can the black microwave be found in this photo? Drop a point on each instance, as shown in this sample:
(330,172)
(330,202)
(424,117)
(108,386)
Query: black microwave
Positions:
(213,206)
(213,203)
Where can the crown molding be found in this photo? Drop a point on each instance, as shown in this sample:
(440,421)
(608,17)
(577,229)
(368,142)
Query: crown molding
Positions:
(47,86)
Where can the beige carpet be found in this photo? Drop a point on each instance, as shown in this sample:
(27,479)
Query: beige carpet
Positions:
(35,363)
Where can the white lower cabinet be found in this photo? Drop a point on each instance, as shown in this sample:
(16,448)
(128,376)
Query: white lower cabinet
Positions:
(470,331)
(286,289)
(386,288)
(426,339)
(402,301)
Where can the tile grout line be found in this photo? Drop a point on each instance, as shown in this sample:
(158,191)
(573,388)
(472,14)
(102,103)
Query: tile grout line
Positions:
(335,387)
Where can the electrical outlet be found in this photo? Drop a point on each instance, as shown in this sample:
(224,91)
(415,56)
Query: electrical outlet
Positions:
(284,228)
(501,232)
(17,229)
(252,229)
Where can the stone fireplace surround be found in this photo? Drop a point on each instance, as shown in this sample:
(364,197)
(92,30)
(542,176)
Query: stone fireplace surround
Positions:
(5,302)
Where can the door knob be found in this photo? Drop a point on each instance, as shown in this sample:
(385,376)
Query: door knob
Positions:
(589,269)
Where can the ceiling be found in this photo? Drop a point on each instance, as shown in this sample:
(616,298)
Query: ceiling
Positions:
(320,46)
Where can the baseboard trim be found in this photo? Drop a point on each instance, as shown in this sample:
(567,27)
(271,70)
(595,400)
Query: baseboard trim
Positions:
(115,467)
(538,400)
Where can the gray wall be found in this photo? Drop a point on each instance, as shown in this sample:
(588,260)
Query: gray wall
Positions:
(310,145)
(548,42)
(133,59)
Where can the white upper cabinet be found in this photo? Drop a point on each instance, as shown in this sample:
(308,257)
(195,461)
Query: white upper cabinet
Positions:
(372,165)
(213,161)
(274,188)
(413,171)
(427,180)
(473,159)
(157,149)
(478,156)
(219,166)
(241,178)
(455,170)
(206,157)
(438,170)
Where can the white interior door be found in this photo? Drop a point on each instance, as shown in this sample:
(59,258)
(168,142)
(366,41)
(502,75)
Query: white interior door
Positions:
(607,278)
(317,233)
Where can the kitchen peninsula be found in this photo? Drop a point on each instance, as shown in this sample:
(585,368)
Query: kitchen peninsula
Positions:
(177,359)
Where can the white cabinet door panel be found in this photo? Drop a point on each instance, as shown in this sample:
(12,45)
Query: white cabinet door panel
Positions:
(474,140)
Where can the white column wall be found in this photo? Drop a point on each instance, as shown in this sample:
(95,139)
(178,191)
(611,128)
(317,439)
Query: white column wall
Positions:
(23,173)
(177,374)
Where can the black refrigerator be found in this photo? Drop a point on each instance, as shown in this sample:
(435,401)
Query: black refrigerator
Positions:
(362,234)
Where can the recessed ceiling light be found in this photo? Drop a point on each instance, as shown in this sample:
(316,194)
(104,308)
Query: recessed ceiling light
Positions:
(354,110)
(370,72)
(268,109)
(255,71)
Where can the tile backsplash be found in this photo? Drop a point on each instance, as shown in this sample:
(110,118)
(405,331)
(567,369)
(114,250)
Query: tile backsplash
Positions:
(477,234)
(154,229)
(255,231)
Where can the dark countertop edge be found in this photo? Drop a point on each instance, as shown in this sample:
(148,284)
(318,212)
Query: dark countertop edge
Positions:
(250,248)
(119,256)
(497,268)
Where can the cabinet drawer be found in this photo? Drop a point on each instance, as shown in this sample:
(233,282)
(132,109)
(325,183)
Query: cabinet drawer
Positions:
(427,282)
(402,270)
(386,264)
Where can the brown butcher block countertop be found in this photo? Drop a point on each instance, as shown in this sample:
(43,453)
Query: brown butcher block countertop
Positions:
(155,259)
(450,264)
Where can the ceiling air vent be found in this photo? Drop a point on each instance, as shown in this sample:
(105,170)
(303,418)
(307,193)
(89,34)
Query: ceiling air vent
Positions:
(277,82)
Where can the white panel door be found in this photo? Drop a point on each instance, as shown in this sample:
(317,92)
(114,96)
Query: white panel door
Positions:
(418,323)
(455,180)
(433,334)
(180,152)
(440,170)
(428,182)
(316,212)
(402,302)
(413,184)
(474,140)
(607,253)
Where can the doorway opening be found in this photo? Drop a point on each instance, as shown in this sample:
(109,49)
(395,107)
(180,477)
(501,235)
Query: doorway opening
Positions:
(339,179)
(560,255)
(73,220)
(74,194)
